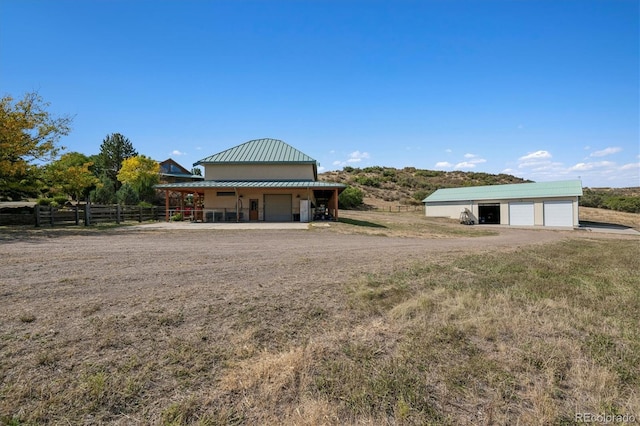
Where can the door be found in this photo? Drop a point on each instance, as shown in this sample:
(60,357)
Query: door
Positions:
(558,213)
(277,208)
(521,214)
(253,209)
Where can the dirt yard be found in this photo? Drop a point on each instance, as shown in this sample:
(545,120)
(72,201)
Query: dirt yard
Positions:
(93,320)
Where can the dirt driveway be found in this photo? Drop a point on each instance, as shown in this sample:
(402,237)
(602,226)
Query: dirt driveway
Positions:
(54,271)
(152,302)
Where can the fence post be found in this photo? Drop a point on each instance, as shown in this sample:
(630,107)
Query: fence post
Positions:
(77,215)
(51,215)
(118,214)
(36,211)
(140,214)
(87,214)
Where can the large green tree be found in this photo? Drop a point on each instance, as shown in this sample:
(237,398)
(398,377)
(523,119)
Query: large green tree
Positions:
(114,150)
(71,174)
(28,134)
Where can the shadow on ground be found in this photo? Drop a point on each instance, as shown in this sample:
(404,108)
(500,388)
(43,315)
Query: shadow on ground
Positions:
(360,223)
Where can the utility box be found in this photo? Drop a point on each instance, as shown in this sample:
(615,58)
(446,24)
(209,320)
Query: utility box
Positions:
(305,210)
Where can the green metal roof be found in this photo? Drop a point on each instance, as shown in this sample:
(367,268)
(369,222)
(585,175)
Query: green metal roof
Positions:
(259,151)
(566,188)
(252,184)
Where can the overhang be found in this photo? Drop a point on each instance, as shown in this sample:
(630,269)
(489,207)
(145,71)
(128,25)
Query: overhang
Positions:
(292,184)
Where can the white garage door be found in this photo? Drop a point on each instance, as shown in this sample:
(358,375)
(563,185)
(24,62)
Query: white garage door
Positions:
(277,208)
(558,213)
(521,214)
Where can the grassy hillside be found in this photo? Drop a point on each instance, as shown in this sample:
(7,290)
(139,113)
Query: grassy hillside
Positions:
(384,186)
(409,185)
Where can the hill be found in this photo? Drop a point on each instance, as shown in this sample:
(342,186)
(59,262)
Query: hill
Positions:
(383,186)
(387,186)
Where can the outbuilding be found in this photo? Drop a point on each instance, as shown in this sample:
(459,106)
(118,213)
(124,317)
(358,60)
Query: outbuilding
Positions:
(553,204)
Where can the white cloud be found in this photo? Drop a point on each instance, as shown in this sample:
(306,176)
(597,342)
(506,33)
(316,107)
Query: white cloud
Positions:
(443,164)
(337,163)
(178,153)
(320,169)
(591,166)
(631,166)
(357,156)
(470,156)
(448,150)
(465,165)
(538,155)
(607,151)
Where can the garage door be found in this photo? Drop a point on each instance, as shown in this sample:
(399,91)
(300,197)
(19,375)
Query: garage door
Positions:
(521,214)
(277,208)
(558,213)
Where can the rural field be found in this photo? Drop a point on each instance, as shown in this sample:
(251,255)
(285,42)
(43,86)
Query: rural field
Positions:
(382,318)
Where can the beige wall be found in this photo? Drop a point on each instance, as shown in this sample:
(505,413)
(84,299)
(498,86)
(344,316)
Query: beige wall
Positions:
(258,171)
(450,209)
(213,202)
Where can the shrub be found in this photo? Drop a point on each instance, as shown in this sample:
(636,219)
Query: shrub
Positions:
(126,195)
(350,198)
(176,217)
(368,181)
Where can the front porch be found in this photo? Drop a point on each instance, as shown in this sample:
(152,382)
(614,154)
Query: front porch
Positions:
(251,203)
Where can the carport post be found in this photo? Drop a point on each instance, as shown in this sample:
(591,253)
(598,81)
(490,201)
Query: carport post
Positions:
(166,205)
(335,204)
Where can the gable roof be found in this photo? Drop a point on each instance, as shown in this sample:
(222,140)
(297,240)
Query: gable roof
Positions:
(265,151)
(563,188)
(170,166)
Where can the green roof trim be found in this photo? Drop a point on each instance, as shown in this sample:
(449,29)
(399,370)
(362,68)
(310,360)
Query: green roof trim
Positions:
(565,188)
(313,184)
(269,151)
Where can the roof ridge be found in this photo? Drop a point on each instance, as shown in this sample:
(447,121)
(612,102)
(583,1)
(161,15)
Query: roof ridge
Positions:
(265,150)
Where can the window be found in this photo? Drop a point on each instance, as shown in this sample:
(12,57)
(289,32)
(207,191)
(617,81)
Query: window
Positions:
(225,194)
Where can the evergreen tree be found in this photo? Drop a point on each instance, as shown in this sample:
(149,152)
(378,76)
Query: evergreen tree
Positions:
(127,195)
(105,192)
(114,150)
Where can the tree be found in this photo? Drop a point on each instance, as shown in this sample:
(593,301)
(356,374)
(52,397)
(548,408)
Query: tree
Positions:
(196,171)
(127,196)
(105,192)
(141,173)
(71,175)
(28,133)
(114,150)
(351,197)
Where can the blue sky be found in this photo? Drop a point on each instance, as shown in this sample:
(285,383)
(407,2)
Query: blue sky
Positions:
(544,90)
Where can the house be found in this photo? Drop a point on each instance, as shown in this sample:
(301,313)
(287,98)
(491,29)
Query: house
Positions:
(259,180)
(172,172)
(553,204)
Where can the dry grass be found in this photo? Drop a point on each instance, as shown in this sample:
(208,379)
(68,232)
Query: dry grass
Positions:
(591,214)
(485,334)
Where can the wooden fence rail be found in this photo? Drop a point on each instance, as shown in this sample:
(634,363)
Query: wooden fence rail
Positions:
(90,214)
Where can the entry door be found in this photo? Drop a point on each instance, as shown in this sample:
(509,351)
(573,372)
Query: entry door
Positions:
(253,209)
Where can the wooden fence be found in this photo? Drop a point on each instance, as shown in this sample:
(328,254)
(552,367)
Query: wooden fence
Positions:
(398,208)
(90,214)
